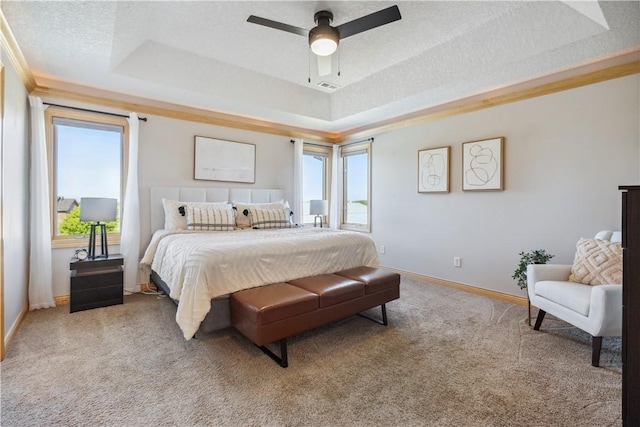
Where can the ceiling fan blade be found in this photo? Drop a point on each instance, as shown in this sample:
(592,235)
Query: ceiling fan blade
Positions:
(278,25)
(324,65)
(367,22)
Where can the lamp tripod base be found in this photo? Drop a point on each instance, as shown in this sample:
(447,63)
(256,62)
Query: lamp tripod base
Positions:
(104,247)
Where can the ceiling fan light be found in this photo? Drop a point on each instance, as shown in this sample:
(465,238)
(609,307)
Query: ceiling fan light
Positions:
(323,40)
(324,47)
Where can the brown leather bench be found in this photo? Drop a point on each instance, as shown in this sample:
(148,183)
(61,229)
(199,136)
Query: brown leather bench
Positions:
(272,313)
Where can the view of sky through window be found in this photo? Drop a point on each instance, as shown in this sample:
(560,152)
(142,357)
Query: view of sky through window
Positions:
(88,162)
(312,182)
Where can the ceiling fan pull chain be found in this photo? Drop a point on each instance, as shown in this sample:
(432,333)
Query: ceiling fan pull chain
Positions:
(309,64)
(339,62)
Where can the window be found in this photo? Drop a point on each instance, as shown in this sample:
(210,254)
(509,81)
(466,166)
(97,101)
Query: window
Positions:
(356,169)
(316,177)
(87,153)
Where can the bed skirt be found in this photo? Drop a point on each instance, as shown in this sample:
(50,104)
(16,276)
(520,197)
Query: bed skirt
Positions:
(218,317)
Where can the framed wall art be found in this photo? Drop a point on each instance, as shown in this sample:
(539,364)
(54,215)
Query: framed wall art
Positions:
(433,170)
(483,165)
(220,160)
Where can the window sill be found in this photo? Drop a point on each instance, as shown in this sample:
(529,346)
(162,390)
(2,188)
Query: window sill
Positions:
(352,227)
(81,242)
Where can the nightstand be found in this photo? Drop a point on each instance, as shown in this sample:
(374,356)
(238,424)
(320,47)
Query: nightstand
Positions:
(96,282)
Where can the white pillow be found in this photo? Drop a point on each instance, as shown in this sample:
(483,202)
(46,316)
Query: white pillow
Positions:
(209,218)
(270,218)
(244,221)
(176,219)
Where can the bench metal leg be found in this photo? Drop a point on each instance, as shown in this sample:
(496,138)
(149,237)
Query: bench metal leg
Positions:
(282,360)
(384,316)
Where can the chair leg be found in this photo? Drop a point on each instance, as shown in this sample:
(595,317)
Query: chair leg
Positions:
(541,314)
(595,351)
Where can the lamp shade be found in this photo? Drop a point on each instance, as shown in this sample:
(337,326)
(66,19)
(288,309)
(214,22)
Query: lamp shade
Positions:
(319,207)
(98,209)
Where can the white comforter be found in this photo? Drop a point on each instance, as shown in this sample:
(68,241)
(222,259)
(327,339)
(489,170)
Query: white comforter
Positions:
(199,266)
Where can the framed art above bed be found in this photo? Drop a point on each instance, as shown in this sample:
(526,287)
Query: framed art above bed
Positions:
(220,160)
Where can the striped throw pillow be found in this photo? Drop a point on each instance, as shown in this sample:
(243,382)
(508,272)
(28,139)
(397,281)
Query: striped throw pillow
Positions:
(210,219)
(269,218)
(243,220)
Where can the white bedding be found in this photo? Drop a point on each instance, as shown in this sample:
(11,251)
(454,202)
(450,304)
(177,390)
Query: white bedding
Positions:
(199,266)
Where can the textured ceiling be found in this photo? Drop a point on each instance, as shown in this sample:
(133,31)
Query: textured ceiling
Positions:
(204,54)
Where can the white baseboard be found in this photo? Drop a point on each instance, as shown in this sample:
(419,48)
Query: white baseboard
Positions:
(14,329)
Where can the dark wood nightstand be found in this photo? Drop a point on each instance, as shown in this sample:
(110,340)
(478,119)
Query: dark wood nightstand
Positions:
(96,282)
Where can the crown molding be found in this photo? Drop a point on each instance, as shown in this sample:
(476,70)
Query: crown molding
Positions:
(619,65)
(613,67)
(52,88)
(12,50)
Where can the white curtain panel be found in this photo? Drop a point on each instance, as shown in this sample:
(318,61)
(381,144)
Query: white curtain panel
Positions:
(296,200)
(40,272)
(334,203)
(130,232)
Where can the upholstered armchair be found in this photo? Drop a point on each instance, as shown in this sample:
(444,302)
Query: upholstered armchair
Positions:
(595,308)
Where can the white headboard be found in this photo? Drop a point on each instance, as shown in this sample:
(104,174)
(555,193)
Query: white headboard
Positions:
(207,194)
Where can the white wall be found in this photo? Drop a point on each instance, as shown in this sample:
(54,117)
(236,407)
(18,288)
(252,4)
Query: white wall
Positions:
(565,156)
(166,158)
(15,204)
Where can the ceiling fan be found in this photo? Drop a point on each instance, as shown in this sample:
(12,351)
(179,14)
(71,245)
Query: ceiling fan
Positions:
(324,39)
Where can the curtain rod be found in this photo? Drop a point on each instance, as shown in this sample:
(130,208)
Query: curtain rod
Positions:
(331,145)
(327,145)
(357,142)
(144,119)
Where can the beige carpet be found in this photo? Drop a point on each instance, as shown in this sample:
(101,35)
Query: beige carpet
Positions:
(447,358)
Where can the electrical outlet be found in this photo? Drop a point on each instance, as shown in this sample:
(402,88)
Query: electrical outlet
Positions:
(383,249)
(457,261)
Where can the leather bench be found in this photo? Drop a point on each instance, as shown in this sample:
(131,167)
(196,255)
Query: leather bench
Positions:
(274,312)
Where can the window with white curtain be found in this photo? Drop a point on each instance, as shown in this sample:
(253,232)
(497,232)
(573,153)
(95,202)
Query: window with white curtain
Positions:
(316,178)
(87,158)
(356,185)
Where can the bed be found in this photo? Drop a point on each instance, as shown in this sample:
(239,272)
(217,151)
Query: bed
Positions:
(200,269)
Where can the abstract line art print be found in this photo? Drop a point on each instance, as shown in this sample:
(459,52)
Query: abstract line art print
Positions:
(482,165)
(433,170)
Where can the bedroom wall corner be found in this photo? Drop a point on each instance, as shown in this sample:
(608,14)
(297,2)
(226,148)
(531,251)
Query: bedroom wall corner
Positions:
(15,196)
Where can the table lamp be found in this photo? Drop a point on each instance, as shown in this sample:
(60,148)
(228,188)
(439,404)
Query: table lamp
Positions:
(319,208)
(98,210)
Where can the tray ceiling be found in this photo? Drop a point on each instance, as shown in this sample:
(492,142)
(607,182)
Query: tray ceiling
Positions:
(205,55)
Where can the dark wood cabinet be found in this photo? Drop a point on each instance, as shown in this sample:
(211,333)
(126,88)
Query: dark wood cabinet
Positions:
(631,305)
(96,282)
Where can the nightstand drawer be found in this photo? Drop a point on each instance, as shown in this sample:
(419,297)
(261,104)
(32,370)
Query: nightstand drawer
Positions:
(97,297)
(91,281)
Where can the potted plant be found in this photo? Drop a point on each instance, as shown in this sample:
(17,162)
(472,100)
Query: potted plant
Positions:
(539,256)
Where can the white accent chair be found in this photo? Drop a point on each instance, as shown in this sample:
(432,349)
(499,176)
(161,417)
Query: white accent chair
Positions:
(594,309)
